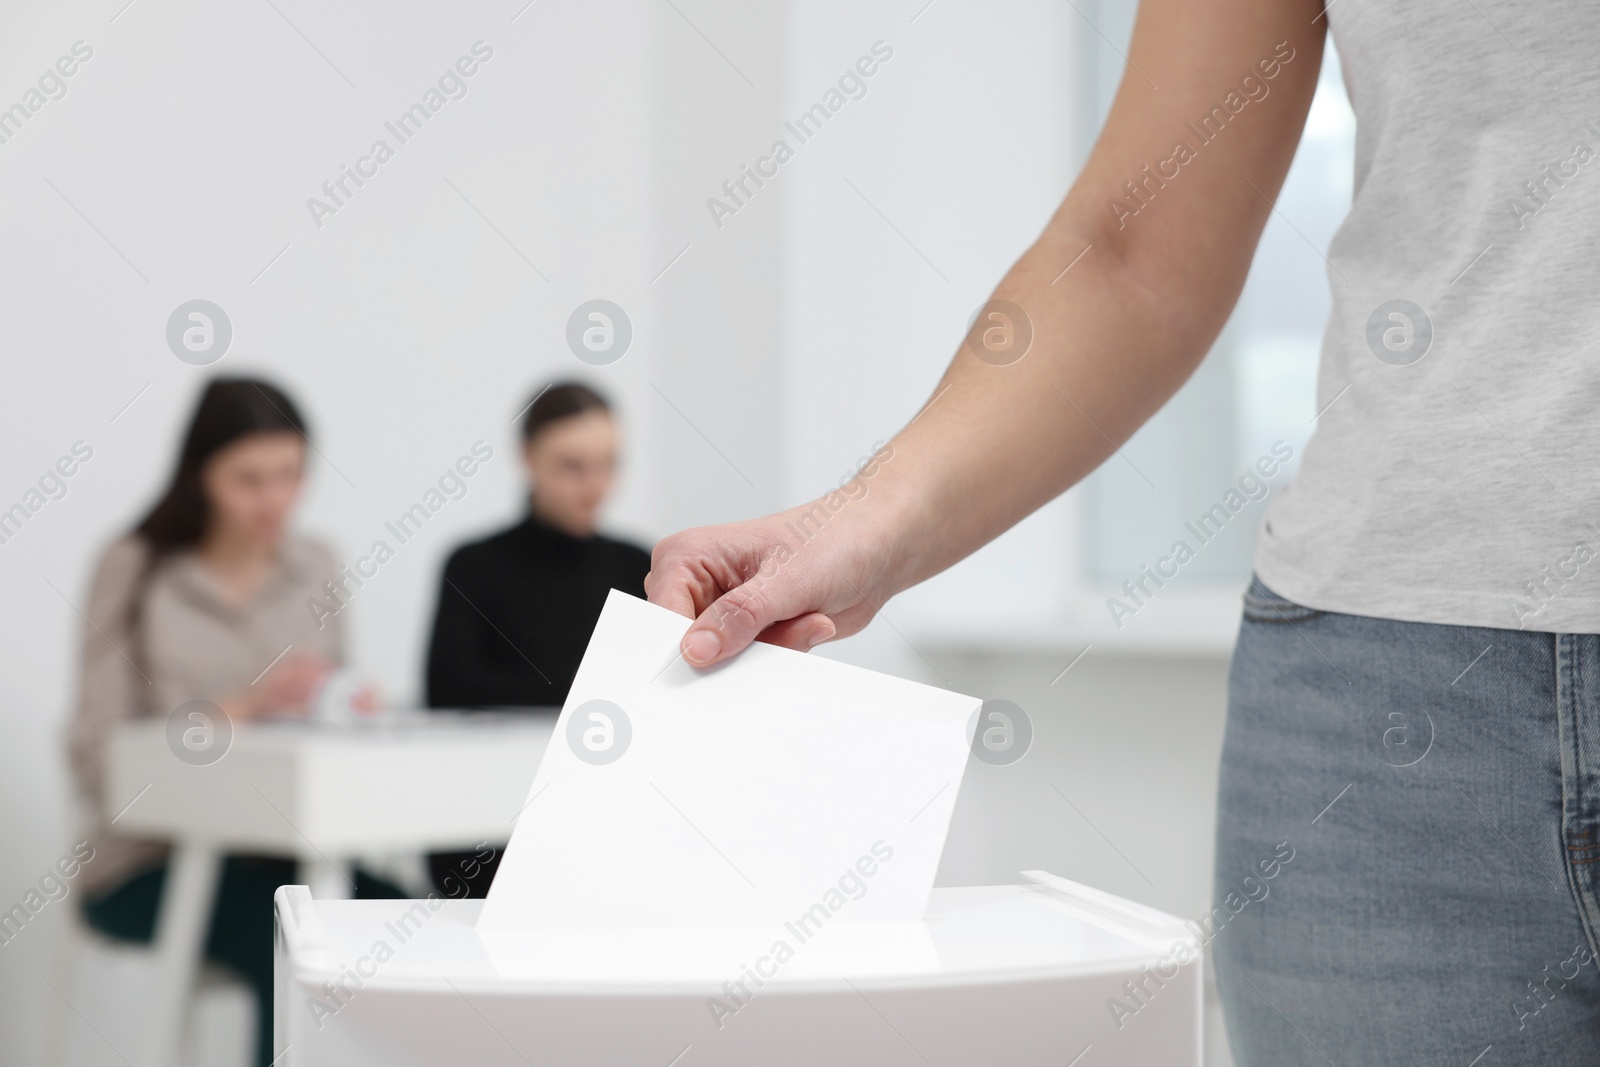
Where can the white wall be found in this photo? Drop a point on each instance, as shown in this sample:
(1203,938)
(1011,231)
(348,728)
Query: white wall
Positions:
(906,211)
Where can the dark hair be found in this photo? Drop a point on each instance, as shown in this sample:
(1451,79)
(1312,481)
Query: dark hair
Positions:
(229,409)
(557,401)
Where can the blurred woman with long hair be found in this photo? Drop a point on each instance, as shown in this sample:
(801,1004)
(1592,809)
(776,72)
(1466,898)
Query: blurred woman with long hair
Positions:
(205,600)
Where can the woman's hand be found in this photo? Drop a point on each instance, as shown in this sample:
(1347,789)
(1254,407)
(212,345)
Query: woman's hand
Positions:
(286,688)
(368,700)
(797,578)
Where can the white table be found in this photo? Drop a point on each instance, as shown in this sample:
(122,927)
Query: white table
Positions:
(414,781)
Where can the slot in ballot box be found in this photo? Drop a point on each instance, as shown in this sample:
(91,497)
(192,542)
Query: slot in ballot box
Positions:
(1049,973)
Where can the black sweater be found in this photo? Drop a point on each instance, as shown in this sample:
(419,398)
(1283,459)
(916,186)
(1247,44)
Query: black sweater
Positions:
(516,611)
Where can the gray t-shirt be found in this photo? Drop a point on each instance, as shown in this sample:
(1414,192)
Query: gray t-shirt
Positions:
(1452,476)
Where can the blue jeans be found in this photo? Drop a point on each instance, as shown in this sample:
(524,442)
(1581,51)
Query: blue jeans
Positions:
(1439,790)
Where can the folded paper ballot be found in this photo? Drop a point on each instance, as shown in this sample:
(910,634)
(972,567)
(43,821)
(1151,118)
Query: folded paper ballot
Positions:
(774,788)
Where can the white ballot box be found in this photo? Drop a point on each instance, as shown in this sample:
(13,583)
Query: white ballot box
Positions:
(1050,973)
(735,867)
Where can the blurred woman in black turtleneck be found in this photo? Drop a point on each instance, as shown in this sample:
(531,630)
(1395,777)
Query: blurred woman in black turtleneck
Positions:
(517,608)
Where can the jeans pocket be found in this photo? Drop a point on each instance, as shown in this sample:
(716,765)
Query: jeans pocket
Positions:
(1261,604)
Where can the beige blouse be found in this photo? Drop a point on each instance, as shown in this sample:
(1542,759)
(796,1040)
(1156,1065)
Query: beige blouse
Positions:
(188,643)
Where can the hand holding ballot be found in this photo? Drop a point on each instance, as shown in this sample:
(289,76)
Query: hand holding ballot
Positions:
(811,574)
(739,796)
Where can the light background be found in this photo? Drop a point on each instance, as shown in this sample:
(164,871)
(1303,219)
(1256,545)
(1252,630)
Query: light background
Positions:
(769,353)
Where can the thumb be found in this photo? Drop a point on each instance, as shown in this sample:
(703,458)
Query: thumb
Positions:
(735,619)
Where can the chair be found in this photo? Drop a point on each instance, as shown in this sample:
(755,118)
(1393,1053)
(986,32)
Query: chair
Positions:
(97,1019)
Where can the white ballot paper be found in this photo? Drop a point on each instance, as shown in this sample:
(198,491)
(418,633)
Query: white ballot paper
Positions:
(751,794)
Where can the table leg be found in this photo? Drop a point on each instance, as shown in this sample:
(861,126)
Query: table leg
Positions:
(328,880)
(180,932)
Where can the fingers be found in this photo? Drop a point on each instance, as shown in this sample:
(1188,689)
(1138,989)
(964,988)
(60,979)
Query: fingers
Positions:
(671,594)
(728,579)
(304,675)
(737,618)
(295,680)
(677,575)
(802,634)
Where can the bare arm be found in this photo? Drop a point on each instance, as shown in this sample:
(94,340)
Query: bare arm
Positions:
(1113,338)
